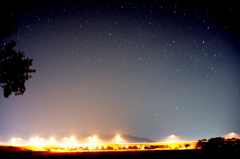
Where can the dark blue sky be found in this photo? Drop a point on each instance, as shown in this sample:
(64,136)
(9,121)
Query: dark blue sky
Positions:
(148,69)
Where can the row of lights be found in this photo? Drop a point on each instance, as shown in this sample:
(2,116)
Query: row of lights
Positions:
(66,140)
(92,139)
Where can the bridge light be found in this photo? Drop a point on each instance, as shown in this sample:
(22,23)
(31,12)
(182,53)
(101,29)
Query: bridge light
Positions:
(73,139)
(13,139)
(118,137)
(94,137)
(52,139)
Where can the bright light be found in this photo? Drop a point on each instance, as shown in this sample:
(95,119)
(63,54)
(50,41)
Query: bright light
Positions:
(172,138)
(95,138)
(118,137)
(232,135)
(52,140)
(13,140)
(34,140)
(72,139)
(16,141)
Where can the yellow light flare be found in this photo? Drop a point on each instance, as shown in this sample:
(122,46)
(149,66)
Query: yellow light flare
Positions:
(118,137)
(52,139)
(73,139)
(172,138)
(95,137)
(34,140)
(13,140)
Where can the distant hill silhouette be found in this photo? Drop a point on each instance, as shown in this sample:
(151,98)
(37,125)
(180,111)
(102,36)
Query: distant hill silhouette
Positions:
(104,137)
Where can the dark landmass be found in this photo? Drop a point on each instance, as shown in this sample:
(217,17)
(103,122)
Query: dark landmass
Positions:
(219,143)
(15,152)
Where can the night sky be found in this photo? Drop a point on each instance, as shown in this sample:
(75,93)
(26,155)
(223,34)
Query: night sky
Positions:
(148,69)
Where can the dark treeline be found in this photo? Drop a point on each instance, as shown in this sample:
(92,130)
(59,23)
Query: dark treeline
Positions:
(219,143)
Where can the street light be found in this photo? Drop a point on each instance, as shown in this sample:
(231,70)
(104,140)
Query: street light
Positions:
(118,137)
(93,139)
(52,140)
(72,139)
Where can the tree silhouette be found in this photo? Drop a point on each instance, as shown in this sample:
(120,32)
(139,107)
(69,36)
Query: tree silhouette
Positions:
(14,70)
(202,144)
(219,143)
(14,67)
(216,142)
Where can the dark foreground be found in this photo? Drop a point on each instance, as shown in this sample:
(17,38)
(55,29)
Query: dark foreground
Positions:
(121,154)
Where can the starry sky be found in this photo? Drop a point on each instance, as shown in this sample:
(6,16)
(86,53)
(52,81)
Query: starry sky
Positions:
(144,68)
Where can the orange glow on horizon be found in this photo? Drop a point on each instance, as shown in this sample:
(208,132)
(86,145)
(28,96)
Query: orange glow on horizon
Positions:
(95,144)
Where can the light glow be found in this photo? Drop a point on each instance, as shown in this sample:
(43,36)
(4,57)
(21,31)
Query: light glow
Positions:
(72,145)
(231,135)
(118,137)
